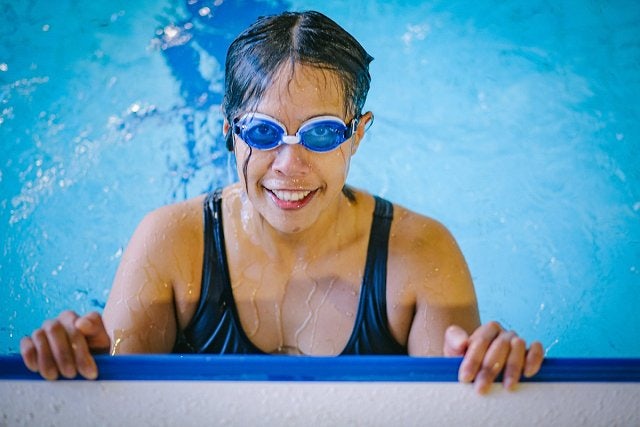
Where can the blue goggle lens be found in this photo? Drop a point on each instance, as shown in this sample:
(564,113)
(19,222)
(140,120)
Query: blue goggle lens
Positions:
(318,134)
(260,134)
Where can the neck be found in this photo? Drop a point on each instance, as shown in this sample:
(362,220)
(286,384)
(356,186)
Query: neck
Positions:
(332,229)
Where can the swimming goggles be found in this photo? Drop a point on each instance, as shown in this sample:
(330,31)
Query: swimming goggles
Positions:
(319,134)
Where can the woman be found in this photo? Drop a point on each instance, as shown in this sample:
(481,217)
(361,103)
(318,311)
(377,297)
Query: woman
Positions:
(289,259)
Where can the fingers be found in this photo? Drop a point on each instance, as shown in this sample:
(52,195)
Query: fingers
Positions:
(495,360)
(93,329)
(456,341)
(89,324)
(37,356)
(479,358)
(60,347)
(492,351)
(46,363)
(513,370)
(81,349)
(29,354)
(534,359)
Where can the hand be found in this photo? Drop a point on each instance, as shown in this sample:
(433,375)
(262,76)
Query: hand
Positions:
(63,346)
(491,350)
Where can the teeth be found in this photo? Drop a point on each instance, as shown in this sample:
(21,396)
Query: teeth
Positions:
(290,196)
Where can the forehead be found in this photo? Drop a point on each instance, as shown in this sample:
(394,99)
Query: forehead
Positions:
(302,91)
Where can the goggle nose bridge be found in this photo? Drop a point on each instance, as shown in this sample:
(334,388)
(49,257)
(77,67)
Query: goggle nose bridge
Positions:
(291,139)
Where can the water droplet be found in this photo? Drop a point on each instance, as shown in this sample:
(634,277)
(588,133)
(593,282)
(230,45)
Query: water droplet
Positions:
(118,253)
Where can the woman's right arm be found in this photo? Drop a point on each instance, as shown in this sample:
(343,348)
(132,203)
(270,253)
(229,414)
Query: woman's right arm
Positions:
(139,316)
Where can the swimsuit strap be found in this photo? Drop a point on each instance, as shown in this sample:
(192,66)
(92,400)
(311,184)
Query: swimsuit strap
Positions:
(215,326)
(371,334)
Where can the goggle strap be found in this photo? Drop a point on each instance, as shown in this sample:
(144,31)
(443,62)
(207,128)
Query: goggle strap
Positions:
(352,129)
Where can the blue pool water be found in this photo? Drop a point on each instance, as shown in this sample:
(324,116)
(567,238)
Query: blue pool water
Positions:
(514,123)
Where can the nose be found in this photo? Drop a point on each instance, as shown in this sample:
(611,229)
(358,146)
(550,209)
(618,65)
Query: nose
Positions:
(291,160)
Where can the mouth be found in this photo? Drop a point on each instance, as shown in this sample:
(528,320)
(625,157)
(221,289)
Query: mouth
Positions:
(291,199)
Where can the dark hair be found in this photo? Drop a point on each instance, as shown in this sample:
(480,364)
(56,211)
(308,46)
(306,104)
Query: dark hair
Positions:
(310,38)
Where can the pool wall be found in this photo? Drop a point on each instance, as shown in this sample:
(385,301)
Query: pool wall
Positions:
(235,390)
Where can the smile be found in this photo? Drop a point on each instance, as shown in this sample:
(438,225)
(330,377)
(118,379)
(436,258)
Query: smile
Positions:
(291,199)
(290,196)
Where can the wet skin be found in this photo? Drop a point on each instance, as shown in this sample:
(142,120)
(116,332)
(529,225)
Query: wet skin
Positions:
(296,248)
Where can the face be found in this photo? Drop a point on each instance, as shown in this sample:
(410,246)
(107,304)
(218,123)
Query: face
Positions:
(289,186)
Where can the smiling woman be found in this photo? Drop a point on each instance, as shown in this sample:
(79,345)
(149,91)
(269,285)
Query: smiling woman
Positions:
(551,95)
(336,272)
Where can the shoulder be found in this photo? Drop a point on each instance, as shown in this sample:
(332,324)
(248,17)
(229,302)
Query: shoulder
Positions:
(170,236)
(413,233)
(425,259)
(175,219)
(173,225)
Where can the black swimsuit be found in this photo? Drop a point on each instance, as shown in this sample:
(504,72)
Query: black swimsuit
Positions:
(216,328)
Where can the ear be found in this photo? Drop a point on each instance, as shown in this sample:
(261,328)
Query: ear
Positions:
(366,120)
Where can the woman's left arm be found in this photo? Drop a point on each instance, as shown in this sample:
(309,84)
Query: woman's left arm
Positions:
(446,320)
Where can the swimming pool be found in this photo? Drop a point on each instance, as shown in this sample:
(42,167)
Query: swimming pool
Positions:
(514,124)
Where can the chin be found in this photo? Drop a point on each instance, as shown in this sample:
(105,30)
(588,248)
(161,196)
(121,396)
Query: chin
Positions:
(289,225)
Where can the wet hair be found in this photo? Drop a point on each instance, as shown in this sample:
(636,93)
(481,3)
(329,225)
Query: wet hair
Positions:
(258,54)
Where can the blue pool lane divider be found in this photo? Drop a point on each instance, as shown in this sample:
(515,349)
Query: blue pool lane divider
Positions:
(343,368)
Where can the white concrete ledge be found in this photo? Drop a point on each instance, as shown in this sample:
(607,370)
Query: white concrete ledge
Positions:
(260,390)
